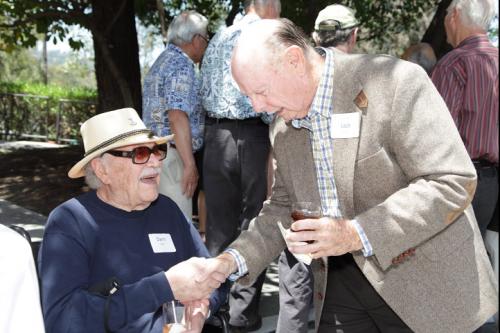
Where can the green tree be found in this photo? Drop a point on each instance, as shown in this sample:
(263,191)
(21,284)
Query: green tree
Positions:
(113,27)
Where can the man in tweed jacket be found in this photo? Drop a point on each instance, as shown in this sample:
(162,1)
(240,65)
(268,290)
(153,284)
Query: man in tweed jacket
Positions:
(395,190)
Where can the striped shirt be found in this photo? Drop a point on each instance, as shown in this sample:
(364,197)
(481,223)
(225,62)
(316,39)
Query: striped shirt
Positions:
(467,78)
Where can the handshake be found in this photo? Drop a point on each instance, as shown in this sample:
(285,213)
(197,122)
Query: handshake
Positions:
(196,278)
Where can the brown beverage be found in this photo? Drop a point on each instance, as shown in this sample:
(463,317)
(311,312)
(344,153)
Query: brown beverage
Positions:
(304,214)
(302,210)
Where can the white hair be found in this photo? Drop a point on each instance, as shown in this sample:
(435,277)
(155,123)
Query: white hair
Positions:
(185,26)
(475,13)
(91,178)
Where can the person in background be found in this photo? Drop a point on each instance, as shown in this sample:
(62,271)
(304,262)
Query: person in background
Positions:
(20,309)
(421,54)
(171,104)
(335,27)
(236,155)
(111,257)
(370,139)
(467,78)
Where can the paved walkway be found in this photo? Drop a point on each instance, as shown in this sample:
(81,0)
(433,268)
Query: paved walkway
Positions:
(30,220)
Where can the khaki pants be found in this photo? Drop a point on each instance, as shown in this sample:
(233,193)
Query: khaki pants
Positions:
(170,182)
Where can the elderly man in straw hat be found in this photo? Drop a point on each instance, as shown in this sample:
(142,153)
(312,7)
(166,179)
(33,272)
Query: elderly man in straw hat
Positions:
(111,257)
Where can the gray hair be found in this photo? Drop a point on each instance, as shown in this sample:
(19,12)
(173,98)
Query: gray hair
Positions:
(286,35)
(475,13)
(419,57)
(185,26)
(91,178)
(333,38)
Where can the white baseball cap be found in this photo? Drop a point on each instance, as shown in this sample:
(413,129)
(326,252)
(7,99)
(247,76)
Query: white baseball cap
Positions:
(343,16)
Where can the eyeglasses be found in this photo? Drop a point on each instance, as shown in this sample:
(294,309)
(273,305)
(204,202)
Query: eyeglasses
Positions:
(204,37)
(140,155)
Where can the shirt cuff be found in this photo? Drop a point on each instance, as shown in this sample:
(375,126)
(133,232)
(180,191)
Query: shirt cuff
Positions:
(367,247)
(240,262)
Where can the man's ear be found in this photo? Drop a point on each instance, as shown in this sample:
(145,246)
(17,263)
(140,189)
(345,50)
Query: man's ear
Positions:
(295,61)
(100,170)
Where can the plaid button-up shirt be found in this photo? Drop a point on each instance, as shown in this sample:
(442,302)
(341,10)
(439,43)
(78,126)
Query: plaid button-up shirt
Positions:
(318,122)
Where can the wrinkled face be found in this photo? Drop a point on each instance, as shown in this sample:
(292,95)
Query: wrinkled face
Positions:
(127,185)
(273,89)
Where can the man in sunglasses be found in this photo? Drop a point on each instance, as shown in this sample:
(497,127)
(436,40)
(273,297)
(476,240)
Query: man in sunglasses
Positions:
(112,256)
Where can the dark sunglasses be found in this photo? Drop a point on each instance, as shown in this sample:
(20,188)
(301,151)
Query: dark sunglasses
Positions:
(140,155)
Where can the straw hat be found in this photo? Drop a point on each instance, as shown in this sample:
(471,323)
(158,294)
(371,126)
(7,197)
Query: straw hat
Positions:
(110,130)
(344,17)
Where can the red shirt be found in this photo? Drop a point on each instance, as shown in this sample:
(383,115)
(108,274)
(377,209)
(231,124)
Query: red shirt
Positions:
(467,78)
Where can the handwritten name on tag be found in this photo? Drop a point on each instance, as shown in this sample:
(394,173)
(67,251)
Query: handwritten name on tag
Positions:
(162,243)
(345,125)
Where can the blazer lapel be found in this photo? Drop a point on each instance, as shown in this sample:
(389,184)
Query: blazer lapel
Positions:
(347,93)
(301,160)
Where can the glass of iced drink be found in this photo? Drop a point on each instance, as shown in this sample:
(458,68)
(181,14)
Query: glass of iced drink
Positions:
(175,317)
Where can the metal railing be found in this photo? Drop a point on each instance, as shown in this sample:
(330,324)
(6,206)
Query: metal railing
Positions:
(24,116)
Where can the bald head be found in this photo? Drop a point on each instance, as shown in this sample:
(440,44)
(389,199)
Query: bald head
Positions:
(265,40)
(266,9)
(421,54)
(273,63)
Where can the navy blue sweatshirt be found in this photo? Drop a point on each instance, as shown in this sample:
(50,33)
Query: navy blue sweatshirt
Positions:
(87,242)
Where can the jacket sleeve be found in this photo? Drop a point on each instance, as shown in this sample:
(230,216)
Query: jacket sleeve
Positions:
(426,148)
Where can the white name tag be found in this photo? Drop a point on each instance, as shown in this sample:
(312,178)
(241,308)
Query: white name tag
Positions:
(345,125)
(161,243)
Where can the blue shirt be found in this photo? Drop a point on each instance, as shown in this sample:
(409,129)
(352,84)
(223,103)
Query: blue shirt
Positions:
(87,241)
(173,83)
(220,94)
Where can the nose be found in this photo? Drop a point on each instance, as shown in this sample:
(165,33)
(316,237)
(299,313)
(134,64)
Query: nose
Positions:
(258,103)
(154,161)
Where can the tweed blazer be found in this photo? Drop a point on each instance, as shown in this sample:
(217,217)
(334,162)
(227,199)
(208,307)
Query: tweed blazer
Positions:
(407,180)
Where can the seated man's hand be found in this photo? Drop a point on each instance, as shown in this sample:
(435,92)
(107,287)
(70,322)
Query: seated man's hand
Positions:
(219,268)
(195,314)
(190,280)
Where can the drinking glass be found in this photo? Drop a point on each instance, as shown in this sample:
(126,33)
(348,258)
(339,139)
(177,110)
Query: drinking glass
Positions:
(305,210)
(175,317)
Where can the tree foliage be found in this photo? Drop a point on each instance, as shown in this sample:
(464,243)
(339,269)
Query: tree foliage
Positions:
(115,45)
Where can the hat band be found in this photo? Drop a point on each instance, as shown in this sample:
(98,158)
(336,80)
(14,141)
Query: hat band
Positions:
(118,138)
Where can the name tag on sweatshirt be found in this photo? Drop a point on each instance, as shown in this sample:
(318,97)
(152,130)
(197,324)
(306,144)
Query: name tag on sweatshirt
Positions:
(345,125)
(162,243)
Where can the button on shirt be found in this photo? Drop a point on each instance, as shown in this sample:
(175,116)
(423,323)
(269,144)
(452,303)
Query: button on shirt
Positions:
(173,83)
(220,94)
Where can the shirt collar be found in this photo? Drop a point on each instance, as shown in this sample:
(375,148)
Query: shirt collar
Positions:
(322,102)
(178,50)
(474,39)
